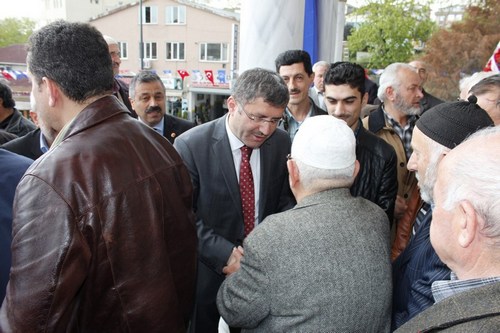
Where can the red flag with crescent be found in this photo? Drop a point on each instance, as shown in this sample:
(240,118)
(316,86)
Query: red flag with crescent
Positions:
(182,73)
(493,64)
(210,75)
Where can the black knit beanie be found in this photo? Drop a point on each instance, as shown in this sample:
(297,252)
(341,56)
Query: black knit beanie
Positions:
(451,123)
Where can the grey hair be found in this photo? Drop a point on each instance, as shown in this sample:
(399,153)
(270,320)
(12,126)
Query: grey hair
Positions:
(261,83)
(390,78)
(320,63)
(317,180)
(486,85)
(476,178)
(468,82)
(110,40)
(143,77)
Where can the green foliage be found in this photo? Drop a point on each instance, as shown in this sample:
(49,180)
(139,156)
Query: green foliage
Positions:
(15,31)
(391,31)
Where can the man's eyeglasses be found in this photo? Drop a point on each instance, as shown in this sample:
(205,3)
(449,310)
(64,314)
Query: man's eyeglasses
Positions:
(261,120)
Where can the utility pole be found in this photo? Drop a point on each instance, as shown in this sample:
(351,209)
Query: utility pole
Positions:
(141,43)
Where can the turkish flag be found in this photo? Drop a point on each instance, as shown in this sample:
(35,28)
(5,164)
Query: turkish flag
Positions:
(9,77)
(493,64)
(210,75)
(183,73)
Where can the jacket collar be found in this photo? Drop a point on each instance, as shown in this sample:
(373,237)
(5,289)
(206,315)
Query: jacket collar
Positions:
(376,120)
(96,112)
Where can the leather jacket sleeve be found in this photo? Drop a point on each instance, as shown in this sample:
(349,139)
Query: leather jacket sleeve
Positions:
(50,262)
(388,187)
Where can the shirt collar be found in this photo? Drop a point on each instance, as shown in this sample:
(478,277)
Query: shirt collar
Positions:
(158,127)
(44,146)
(234,142)
(447,288)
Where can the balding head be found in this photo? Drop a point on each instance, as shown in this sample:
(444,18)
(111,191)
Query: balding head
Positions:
(465,229)
(114,52)
(421,69)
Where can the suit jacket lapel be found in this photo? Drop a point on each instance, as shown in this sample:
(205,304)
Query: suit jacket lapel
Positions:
(224,156)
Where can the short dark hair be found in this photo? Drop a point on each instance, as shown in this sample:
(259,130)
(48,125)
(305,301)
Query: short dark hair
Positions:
(349,73)
(143,77)
(75,56)
(6,96)
(261,83)
(291,57)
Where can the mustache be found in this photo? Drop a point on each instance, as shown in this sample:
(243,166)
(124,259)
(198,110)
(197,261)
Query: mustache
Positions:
(294,91)
(153,109)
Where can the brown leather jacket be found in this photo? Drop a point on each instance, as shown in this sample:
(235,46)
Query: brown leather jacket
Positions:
(103,232)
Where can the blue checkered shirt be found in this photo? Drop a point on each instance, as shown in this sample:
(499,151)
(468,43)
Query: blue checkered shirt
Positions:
(447,288)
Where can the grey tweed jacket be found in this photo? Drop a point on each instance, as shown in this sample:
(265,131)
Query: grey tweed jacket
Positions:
(322,266)
(476,310)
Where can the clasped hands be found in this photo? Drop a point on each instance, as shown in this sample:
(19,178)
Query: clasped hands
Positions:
(233,263)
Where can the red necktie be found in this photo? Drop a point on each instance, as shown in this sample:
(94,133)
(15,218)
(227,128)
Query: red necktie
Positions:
(247,190)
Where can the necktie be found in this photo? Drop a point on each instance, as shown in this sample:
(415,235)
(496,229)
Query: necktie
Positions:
(247,190)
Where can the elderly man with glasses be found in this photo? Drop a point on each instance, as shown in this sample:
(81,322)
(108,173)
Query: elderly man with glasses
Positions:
(238,169)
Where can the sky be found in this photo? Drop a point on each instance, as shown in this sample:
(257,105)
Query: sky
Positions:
(21,8)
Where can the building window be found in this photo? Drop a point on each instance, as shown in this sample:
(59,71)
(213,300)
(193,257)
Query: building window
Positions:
(213,52)
(150,15)
(175,15)
(175,51)
(150,50)
(123,50)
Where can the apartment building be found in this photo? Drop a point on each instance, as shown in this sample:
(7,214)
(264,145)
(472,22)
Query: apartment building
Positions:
(193,48)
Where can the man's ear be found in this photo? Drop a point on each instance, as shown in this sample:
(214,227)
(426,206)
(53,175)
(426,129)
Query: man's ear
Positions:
(232,106)
(293,173)
(53,90)
(356,169)
(364,100)
(468,224)
(390,93)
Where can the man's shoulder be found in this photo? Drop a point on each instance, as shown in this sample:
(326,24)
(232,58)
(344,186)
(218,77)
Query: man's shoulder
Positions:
(375,145)
(473,310)
(179,122)
(201,134)
(13,162)
(26,145)
(375,121)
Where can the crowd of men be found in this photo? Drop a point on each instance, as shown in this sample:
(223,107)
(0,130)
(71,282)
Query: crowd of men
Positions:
(291,213)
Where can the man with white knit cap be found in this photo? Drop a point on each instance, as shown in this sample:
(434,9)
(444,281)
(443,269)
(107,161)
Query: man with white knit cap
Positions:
(324,265)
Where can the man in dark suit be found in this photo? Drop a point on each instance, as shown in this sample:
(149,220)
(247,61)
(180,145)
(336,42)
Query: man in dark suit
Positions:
(120,88)
(12,168)
(438,131)
(428,101)
(147,96)
(345,96)
(228,199)
(310,268)
(36,142)
(464,234)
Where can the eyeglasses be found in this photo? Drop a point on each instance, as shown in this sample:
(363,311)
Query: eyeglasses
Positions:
(261,120)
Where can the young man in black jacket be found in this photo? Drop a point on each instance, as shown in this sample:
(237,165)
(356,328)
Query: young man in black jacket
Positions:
(345,96)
